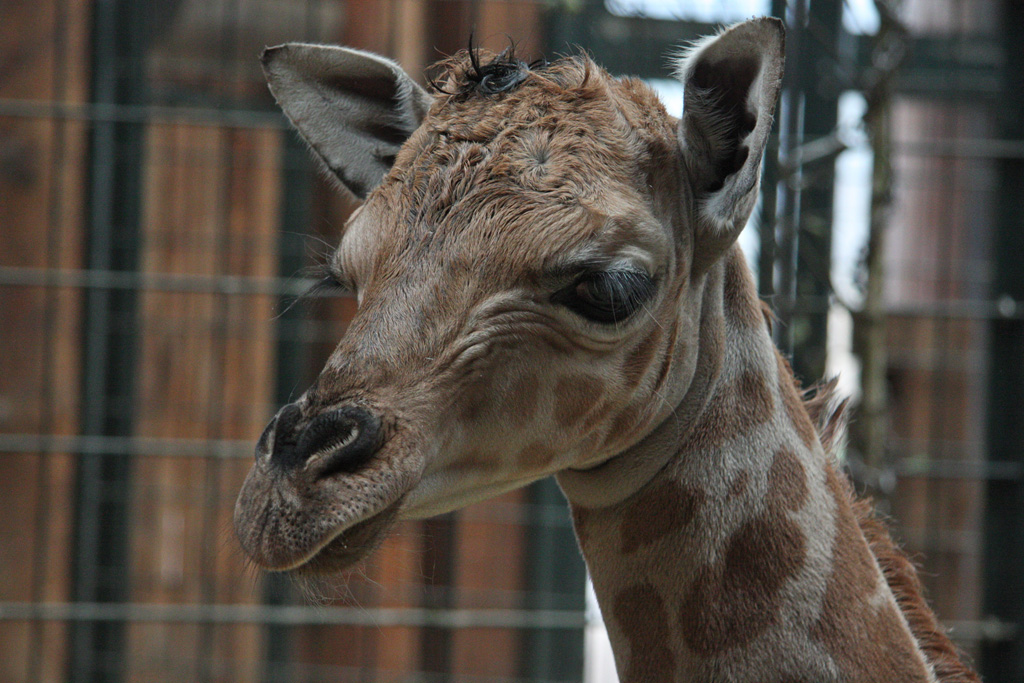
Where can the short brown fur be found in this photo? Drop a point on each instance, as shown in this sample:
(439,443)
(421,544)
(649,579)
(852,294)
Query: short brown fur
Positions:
(732,602)
(676,506)
(641,611)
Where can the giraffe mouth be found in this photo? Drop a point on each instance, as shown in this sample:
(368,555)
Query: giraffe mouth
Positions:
(317,525)
(352,545)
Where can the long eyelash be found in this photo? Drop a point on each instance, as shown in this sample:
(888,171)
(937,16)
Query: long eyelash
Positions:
(614,296)
(638,283)
(325,282)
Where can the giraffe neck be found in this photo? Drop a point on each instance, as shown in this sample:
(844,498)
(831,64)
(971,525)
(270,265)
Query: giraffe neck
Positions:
(734,554)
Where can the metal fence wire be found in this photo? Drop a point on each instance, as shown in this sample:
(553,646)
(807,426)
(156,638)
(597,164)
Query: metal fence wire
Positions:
(156,214)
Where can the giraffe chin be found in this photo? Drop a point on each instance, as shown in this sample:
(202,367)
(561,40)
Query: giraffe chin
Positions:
(351,546)
(273,548)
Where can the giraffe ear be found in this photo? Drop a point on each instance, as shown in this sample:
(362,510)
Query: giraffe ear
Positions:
(354,108)
(731,87)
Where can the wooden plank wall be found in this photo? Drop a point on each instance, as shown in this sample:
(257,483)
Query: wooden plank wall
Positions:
(211,207)
(45,52)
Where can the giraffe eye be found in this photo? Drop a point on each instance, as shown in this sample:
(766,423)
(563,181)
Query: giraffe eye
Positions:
(328,279)
(608,296)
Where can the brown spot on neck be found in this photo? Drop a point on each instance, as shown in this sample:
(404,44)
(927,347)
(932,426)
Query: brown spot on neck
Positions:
(735,600)
(640,613)
(787,481)
(739,406)
(754,403)
(739,484)
(661,508)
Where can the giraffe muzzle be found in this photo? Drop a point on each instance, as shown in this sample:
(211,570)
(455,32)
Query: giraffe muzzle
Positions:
(324,488)
(339,441)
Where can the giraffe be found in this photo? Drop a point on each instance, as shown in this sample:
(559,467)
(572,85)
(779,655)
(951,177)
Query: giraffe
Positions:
(548,282)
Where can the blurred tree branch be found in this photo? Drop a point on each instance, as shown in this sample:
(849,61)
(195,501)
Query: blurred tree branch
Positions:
(868,433)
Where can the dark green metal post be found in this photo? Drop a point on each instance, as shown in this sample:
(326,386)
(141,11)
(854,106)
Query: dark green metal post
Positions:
(291,362)
(804,214)
(768,220)
(120,37)
(818,86)
(1003,661)
(555,578)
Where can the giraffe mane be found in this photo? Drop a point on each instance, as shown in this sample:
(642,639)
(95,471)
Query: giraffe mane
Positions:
(828,411)
(945,658)
(830,416)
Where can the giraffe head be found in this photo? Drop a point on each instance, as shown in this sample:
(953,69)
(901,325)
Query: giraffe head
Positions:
(529,263)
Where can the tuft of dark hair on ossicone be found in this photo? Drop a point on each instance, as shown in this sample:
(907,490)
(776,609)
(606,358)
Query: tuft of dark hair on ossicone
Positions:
(501,74)
(465,73)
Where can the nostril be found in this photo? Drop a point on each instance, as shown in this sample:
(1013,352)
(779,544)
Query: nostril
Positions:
(326,434)
(278,439)
(266,441)
(340,441)
(285,433)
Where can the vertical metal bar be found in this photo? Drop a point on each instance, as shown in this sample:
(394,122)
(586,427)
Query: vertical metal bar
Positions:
(1003,662)
(769,219)
(868,434)
(207,632)
(439,557)
(768,222)
(555,579)
(948,286)
(818,84)
(788,211)
(291,360)
(108,357)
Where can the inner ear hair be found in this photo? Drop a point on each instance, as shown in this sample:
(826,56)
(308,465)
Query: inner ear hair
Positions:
(731,86)
(718,102)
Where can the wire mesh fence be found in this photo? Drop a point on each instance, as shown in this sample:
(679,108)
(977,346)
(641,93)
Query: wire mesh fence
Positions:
(156,216)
